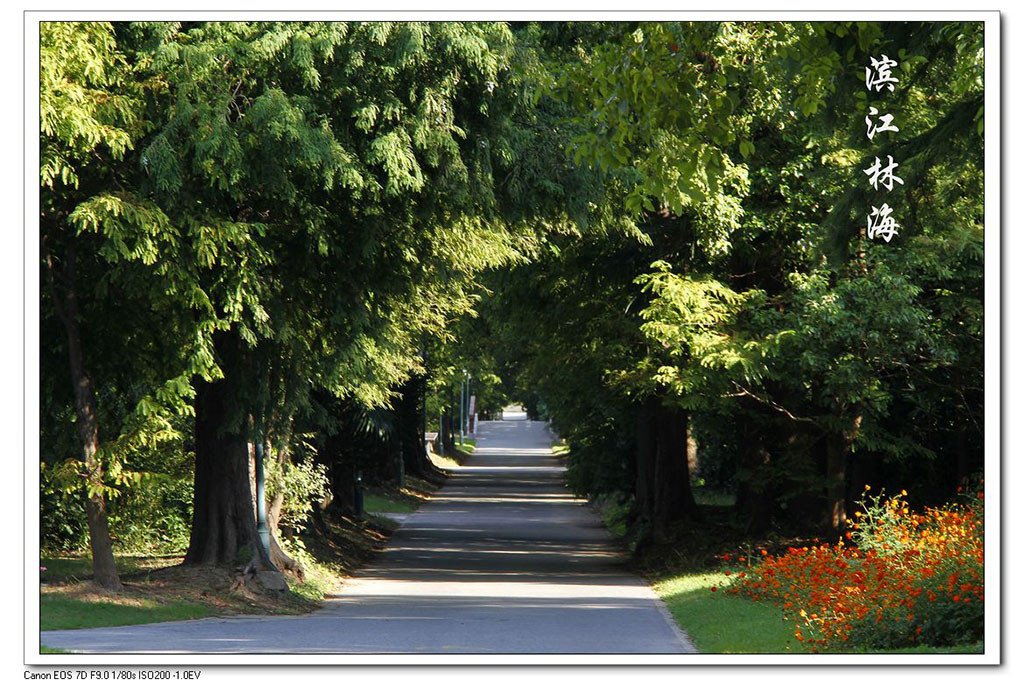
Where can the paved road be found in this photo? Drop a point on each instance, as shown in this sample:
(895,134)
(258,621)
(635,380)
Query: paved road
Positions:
(502,560)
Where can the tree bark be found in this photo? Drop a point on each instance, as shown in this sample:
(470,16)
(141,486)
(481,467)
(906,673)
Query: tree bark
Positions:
(754,499)
(663,493)
(224,517)
(646,444)
(837,451)
(673,493)
(413,448)
(279,557)
(341,473)
(692,454)
(103,567)
(447,433)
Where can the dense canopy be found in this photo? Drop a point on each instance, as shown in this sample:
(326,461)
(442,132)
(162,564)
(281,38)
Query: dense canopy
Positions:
(295,243)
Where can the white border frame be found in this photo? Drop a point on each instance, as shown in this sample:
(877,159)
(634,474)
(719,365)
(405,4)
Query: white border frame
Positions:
(994,610)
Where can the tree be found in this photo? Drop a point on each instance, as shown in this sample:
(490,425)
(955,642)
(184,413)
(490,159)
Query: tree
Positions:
(336,180)
(99,237)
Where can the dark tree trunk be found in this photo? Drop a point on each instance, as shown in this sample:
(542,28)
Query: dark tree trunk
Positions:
(646,444)
(341,473)
(673,493)
(663,492)
(447,433)
(837,452)
(224,518)
(410,410)
(754,497)
(104,569)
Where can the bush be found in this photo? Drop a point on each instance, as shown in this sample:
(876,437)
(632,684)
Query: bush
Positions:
(908,579)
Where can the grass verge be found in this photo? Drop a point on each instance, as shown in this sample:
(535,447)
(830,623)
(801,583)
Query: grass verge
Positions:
(719,622)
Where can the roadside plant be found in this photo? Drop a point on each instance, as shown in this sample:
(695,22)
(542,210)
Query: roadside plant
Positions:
(909,578)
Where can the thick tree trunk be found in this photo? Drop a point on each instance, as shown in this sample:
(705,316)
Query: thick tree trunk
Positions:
(663,492)
(646,444)
(753,495)
(224,517)
(837,451)
(413,448)
(673,493)
(103,566)
(341,473)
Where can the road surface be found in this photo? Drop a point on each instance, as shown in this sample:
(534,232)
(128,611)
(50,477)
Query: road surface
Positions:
(502,560)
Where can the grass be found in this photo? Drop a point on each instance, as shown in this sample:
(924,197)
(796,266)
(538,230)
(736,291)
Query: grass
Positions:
(159,590)
(468,445)
(380,503)
(707,496)
(64,611)
(443,461)
(719,622)
(71,568)
(613,513)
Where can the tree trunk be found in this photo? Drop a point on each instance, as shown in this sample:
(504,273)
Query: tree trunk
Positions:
(837,451)
(410,410)
(673,493)
(341,473)
(692,456)
(447,433)
(753,493)
(663,492)
(279,557)
(645,449)
(223,518)
(104,570)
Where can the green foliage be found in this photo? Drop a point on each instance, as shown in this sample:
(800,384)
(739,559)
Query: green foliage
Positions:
(80,107)
(583,216)
(301,483)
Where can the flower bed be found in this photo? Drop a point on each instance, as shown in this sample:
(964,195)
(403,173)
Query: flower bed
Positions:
(900,579)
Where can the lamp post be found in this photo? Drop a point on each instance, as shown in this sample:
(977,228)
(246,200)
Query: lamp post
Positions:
(261,502)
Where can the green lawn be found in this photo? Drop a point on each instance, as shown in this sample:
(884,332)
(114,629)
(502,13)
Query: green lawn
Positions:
(58,611)
(720,622)
(378,503)
(77,567)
